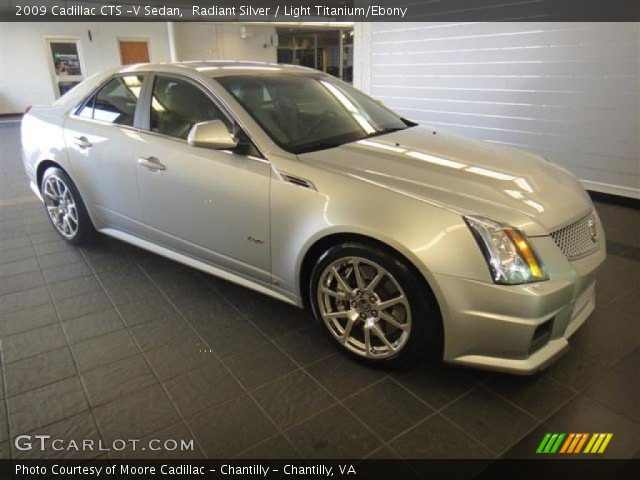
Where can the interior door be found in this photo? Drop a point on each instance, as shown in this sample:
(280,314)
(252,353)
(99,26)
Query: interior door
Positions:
(210,204)
(134,51)
(101,145)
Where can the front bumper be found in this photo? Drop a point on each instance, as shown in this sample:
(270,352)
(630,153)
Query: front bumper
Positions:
(522,328)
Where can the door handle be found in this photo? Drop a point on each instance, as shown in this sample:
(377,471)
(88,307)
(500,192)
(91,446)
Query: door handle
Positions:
(152,163)
(83,142)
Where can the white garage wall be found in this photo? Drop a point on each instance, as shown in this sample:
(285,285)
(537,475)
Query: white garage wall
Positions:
(569,91)
(25,78)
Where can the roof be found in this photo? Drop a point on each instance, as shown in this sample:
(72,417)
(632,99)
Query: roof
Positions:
(225,67)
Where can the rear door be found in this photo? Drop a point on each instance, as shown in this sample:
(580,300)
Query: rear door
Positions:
(101,143)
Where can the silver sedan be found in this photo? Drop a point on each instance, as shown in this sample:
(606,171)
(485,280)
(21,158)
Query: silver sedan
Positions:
(403,240)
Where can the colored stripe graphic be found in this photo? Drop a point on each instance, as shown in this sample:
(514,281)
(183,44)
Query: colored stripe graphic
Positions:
(574,443)
(543,442)
(581,442)
(567,443)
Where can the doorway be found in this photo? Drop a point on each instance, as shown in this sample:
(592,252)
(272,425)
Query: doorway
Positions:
(134,51)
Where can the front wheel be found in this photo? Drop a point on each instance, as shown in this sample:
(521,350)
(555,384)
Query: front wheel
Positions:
(65,207)
(373,305)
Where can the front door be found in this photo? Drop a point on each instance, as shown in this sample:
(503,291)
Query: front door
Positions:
(101,143)
(210,204)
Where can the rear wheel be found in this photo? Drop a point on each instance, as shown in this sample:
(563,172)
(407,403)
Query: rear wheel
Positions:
(373,305)
(65,207)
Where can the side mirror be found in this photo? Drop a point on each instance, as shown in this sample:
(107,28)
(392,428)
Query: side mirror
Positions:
(211,134)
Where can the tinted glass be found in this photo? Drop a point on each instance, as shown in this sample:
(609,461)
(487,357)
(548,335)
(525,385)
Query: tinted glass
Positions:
(87,109)
(116,101)
(305,113)
(177,105)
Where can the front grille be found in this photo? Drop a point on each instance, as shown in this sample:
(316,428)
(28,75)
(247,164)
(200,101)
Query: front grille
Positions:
(578,239)
(583,300)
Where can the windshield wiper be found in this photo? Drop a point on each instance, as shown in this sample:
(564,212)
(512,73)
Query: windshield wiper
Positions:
(384,131)
(320,145)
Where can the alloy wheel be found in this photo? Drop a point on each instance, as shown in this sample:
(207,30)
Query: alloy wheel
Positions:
(364,307)
(60,206)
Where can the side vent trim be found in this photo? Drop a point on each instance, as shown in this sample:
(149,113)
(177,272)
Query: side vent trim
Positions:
(299,181)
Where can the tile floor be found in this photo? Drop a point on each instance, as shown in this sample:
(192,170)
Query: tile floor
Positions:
(108,342)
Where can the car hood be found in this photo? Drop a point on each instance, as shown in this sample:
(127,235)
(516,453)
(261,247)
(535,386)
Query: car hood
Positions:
(464,175)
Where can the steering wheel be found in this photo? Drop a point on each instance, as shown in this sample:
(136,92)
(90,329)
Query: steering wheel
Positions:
(324,116)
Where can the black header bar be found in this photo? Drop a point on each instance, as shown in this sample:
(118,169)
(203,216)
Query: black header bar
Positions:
(322,10)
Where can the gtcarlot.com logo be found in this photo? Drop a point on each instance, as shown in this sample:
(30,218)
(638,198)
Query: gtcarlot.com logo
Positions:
(573,443)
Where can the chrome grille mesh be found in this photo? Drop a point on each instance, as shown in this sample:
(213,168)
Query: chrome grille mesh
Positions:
(576,240)
(583,300)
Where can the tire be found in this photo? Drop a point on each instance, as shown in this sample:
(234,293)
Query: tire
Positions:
(68,216)
(399,306)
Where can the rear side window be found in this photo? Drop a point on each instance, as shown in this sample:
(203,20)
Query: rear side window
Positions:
(115,102)
(177,105)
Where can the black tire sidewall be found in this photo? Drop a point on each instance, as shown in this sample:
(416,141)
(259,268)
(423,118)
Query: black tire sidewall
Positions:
(425,335)
(86,231)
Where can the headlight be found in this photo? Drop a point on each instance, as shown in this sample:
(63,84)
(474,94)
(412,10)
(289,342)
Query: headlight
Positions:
(508,252)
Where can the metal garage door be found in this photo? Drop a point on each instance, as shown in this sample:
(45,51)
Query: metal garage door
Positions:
(569,91)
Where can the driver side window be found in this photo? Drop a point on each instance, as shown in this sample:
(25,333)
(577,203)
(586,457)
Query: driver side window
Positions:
(177,105)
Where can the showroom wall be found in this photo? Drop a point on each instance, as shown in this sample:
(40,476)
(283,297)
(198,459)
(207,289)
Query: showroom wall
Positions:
(568,91)
(24,44)
(25,76)
(198,41)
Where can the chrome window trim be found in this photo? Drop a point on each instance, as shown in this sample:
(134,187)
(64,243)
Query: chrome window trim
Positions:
(74,111)
(146,94)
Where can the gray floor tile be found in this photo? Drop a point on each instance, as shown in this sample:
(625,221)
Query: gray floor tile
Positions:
(28,319)
(77,428)
(8,255)
(34,372)
(33,342)
(619,389)
(46,405)
(438,438)
(490,419)
(103,350)
(133,291)
(117,379)
(435,384)
(58,245)
(73,287)
(136,415)
(18,267)
(66,272)
(333,434)
(92,325)
(159,332)
(20,282)
(59,259)
(231,428)
(260,365)
(24,299)
(292,399)
(203,388)
(307,345)
(538,395)
(277,447)
(343,376)
(82,305)
(387,409)
(186,354)
(142,311)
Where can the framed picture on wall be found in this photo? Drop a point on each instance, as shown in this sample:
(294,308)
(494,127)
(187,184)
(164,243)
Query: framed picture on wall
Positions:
(66,64)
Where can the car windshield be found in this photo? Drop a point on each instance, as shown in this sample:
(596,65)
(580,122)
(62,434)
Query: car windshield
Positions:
(308,113)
